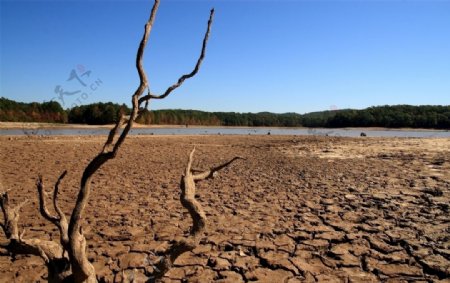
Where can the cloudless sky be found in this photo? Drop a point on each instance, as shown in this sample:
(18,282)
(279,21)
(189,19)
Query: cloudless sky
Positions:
(278,56)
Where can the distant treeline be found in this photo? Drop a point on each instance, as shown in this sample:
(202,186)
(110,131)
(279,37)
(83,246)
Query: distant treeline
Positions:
(194,117)
(12,111)
(399,116)
(96,113)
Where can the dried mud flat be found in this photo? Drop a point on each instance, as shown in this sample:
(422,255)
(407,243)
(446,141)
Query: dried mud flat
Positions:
(299,209)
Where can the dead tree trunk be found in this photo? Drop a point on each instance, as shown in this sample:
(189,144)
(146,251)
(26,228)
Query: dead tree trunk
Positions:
(82,269)
(67,260)
(187,199)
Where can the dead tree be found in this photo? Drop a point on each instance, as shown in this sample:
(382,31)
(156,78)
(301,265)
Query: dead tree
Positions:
(187,198)
(67,260)
(53,253)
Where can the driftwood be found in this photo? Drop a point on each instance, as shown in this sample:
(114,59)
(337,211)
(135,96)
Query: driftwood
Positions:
(67,260)
(51,252)
(187,199)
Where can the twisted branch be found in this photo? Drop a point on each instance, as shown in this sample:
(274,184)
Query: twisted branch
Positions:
(187,199)
(82,268)
(59,221)
(113,132)
(210,173)
(186,76)
(72,238)
(10,217)
(51,252)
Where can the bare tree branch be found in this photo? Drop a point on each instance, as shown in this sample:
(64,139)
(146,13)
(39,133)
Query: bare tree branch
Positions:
(187,199)
(62,216)
(210,173)
(56,190)
(59,221)
(186,76)
(113,132)
(51,252)
(81,267)
(43,203)
(77,265)
(10,216)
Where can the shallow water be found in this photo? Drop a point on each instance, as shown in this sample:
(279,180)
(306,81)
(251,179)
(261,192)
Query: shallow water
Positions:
(233,131)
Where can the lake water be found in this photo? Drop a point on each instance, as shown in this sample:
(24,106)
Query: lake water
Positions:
(232,131)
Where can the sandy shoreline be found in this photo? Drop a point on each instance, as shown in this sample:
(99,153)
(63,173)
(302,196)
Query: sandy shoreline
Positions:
(27,125)
(303,209)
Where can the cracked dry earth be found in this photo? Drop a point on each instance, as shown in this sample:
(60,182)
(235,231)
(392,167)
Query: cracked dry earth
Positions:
(299,209)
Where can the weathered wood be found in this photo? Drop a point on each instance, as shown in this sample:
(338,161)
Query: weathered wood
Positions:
(195,209)
(59,221)
(72,238)
(51,252)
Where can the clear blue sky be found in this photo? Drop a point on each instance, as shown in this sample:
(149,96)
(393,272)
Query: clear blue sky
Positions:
(278,56)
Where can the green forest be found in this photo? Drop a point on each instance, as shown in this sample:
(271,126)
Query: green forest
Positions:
(50,112)
(397,116)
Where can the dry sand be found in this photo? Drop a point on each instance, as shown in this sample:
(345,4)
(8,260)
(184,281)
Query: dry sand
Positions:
(298,209)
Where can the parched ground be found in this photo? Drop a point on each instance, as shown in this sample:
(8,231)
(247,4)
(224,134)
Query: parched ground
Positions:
(299,209)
